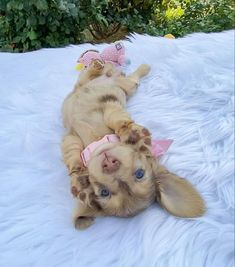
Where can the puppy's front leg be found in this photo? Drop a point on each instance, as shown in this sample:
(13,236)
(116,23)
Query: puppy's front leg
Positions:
(116,118)
(82,216)
(71,150)
(87,209)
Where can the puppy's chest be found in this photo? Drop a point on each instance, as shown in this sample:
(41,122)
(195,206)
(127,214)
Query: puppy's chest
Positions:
(94,96)
(90,105)
(103,79)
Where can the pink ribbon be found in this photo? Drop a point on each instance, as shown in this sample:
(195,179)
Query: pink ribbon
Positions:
(159,147)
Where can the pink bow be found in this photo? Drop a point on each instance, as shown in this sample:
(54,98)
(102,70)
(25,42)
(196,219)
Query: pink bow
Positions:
(159,147)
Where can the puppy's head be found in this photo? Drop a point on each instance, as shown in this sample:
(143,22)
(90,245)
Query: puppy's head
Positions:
(122,179)
(125,179)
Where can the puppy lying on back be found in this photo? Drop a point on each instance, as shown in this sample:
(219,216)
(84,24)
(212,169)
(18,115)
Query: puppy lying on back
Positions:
(122,177)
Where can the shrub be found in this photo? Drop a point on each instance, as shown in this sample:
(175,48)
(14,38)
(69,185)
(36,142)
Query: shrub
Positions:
(106,17)
(187,16)
(31,24)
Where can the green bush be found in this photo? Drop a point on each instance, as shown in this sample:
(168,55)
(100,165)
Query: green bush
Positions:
(187,16)
(31,24)
(105,17)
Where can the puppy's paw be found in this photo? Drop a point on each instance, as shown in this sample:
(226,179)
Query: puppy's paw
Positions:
(83,222)
(143,70)
(79,182)
(74,190)
(133,133)
(97,65)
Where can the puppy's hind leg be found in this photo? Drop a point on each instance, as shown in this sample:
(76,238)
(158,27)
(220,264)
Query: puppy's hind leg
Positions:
(141,71)
(130,83)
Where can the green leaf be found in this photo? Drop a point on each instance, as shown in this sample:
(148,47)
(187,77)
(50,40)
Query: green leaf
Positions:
(73,12)
(17,39)
(41,20)
(20,6)
(31,21)
(71,6)
(41,4)
(32,35)
(82,15)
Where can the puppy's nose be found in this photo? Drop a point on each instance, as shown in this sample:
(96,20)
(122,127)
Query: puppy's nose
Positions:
(110,164)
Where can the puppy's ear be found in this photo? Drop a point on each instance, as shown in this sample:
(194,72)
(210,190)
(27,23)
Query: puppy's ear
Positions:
(177,195)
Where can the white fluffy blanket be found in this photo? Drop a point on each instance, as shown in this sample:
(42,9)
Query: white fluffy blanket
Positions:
(188,97)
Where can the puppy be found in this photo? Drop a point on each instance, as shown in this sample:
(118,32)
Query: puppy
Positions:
(121,178)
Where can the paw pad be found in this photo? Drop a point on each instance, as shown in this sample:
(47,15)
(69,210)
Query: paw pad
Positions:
(98,64)
(82,196)
(83,181)
(146,132)
(133,137)
(74,191)
(147,141)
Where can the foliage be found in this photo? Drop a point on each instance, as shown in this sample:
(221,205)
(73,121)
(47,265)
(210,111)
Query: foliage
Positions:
(187,16)
(105,17)
(31,24)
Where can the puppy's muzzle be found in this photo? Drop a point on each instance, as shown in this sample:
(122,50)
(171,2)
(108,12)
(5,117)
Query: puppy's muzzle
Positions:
(110,164)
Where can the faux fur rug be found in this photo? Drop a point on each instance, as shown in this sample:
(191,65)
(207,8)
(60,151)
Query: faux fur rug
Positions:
(188,97)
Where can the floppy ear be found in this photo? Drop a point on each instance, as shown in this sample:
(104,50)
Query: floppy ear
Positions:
(177,195)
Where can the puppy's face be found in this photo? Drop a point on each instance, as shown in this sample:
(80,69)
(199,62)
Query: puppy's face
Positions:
(122,179)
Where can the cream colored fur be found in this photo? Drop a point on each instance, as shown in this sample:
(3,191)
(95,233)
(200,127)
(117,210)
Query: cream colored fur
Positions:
(95,108)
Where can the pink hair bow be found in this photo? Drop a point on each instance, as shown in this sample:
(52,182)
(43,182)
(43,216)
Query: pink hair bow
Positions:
(159,147)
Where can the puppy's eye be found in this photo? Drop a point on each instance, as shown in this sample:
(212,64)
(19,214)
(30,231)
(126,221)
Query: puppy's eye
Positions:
(104,192)
(139,174)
